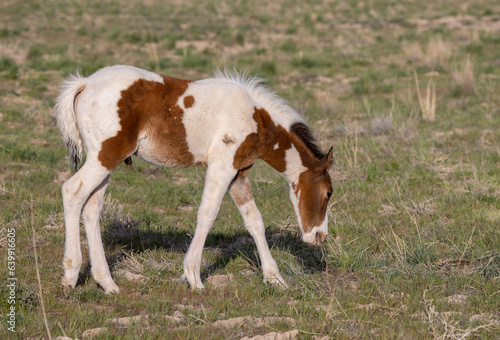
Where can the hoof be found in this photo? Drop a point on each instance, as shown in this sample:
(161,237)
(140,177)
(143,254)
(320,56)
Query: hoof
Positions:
(68,283)
(276,281)
(195,285)
(110,287)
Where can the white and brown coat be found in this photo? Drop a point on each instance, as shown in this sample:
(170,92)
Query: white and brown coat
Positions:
(223,123)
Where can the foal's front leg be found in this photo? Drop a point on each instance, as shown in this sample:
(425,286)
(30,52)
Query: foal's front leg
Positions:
(242,196)
(217,180)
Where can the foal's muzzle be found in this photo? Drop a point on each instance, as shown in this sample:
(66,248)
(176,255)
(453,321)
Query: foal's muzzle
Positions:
(320,238)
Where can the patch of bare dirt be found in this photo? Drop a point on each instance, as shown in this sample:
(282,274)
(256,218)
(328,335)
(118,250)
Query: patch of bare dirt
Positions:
(129,276)
(177,317)
(126,322)
(90,333)
(198,45)
(256,322)
(458,299)
(485,318)
(180,180)
(181,307)
(275,336)
(219,281)
(186,208)
(486,23)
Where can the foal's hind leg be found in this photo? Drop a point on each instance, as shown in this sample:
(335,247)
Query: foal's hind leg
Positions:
(75,193)
(90,215)
(242,197)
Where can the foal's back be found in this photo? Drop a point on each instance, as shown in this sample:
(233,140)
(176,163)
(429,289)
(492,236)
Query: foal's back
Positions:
(163,120)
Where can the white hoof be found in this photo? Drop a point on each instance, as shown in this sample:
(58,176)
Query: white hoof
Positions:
(194,283)
(69,283)
(109,287)
(276,280)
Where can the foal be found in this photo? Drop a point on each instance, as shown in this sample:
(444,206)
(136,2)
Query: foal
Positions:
(223,123)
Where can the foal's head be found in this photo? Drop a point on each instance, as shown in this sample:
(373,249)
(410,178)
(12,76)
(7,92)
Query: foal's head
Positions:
(310,200)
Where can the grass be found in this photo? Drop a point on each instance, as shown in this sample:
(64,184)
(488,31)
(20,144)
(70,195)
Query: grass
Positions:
(414,245)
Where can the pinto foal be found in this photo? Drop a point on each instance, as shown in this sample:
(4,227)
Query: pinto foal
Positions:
(223,123)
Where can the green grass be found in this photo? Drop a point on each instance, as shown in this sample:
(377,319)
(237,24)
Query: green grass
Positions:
(414,245)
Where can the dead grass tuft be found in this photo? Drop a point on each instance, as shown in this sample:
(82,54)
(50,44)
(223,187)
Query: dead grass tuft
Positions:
(381,125)
(132,263)
(444,328)
(464,78)
(427,103)
(426,208)
(387,210)
(438,53)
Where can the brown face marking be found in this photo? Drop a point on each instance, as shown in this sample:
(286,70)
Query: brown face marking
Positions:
(313,199)
(151,107)
(188,101)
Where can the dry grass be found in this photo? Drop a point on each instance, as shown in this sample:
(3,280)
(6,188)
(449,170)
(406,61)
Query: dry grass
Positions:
(464,78)
(438,53)
(443,326)
(427,103)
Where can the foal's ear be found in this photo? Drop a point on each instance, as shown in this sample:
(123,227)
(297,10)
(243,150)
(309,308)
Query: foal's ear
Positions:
(327,160)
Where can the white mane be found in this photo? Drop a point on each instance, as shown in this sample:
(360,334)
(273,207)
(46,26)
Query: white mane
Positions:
(276,106)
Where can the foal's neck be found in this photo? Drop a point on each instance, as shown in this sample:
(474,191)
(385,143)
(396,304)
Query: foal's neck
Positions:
(284,150)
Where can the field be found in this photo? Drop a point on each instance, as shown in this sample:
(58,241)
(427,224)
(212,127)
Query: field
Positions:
(407,92)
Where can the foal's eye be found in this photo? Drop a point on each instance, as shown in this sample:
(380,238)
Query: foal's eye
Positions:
(329,194)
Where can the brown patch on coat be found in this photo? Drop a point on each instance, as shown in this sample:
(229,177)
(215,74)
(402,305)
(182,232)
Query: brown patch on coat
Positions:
(188,101)
(261,144)
(150,107)
(228,139)
(240,189)
(67,263)
(80,185)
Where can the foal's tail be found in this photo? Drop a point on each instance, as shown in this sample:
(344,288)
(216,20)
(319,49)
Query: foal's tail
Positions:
(66,117)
